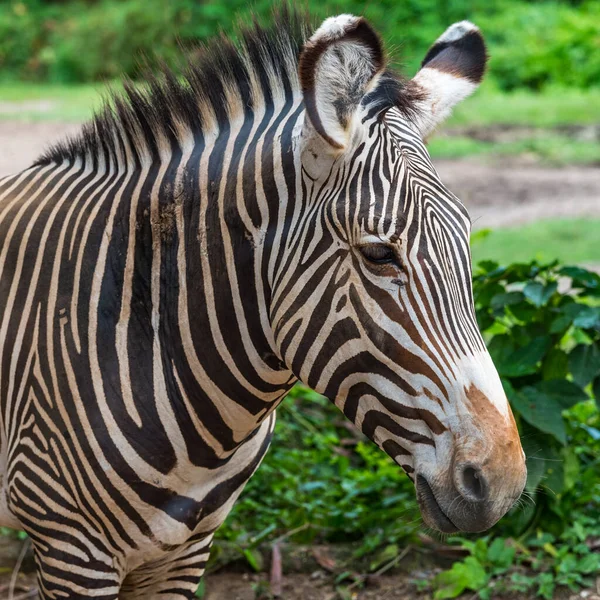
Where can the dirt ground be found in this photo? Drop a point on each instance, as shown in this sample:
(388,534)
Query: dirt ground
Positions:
(318,586)
(243,586)
(500,193)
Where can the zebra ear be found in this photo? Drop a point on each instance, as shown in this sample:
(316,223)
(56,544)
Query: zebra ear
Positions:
(451,70)
(338,65)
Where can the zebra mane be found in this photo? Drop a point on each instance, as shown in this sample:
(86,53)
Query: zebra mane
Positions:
(223,78)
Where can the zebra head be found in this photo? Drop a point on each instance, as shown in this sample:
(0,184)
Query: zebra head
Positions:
(372,304)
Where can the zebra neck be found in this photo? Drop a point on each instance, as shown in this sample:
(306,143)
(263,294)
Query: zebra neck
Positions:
(211,224)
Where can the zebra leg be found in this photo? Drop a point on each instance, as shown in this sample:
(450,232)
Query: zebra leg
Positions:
(174,577)
(63,576)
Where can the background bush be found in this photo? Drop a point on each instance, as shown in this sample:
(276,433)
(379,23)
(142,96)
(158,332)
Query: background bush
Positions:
(533,44)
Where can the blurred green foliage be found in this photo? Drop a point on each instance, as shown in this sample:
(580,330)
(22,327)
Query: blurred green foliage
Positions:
(322,472)
(323,480)
(545,344)
(498,566)
(532,43)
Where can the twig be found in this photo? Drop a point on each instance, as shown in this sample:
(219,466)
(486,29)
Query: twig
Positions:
(383,569)
(15,573)
(393,562)
(291,533)
(276,572)
(20,587)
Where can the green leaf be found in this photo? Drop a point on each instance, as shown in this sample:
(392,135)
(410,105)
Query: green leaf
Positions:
(478,549)
(201,589)
(500,554)
(388,554)
(466,575)
(561,323)
(550,549)
(581,277)
(566,393)
(524,361)
(488,267)
(499,301)
(523,312)
(570,468)
(580,532)
(343,593)
(555,477)
(541,410)
(479,236)
(484,293)
(592,431)
(520,582)
(540,452)
(555,365)
(584,362)
(596,390)
(569,312)
(485,593)
(588,317)
(590,563)
(546,586)
(259,537)
(344,576)
(254,558)
(501,348)
(536,467)
(538,293)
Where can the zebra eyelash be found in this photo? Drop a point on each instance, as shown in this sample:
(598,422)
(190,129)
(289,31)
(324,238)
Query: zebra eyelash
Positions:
(381,255)
(378,254)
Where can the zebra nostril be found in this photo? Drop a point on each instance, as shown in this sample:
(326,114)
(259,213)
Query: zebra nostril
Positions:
(473,484)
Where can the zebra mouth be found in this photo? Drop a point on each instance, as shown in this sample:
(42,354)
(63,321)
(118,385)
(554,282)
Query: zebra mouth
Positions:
(430,509)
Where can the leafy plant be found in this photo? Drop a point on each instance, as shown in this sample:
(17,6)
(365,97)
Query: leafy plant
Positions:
(533,44)
(542,327)
(545,343)
(536,565)
(325,481)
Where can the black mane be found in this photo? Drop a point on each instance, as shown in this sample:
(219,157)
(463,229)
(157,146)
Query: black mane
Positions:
(223,73)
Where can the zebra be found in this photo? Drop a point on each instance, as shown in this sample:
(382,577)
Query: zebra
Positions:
(167,275)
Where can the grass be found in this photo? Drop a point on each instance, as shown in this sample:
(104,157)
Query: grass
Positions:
(572,241)
(47,102)
(551,108)
(543,145)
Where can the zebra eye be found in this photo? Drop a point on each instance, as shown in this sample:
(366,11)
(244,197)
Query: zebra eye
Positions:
(378,253)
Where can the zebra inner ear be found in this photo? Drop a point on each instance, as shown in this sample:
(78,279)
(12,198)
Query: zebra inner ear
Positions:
(451,70)
(338,65)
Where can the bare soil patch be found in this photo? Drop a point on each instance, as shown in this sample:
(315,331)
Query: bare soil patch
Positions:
(21,143)
(306,574)
(318,586)
(512,192)
(510,133)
